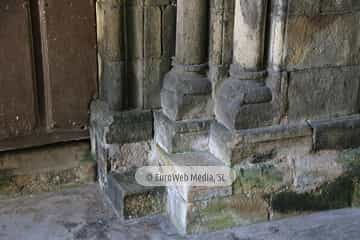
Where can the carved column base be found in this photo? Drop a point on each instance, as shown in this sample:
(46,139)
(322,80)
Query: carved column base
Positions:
(186,95)
(244,104)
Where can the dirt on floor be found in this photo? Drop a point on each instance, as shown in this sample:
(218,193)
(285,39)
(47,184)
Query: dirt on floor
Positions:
(81,213)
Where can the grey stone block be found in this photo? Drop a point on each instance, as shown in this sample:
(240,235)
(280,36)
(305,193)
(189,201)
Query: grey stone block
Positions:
(317,7)
(154,72)
(316,169)
(169,32)
(132,200)
(122,127)
(261,144)
(135,33)
(112,81)
(181,136)
(334,6)
(263,176)
(186,95)
(215,214)
(152,32)
(221,32)
(322,40)
(304,7)
(197,159)
(242,104)
(323,93)
(340,133)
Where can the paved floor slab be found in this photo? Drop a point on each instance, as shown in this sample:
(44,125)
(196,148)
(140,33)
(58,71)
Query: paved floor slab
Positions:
(80,213)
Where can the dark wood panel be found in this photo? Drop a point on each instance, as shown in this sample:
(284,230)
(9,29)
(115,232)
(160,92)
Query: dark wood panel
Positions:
(69,61)
(40,138)
(17,82)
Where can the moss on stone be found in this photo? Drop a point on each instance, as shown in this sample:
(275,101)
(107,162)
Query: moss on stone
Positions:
(260,177)
(5,182)
(140,205)
(87,156)
(12,185)
(350,159)
(237,210)
(341,193)
(337,194)
(356,194)
(221,223)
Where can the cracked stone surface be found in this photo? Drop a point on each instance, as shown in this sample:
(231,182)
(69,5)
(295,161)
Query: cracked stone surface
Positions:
(80,213)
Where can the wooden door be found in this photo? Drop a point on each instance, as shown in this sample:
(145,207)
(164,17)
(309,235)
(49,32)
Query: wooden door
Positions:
(48,71)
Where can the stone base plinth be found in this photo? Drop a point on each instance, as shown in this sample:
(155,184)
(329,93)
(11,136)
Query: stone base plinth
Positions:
(131,200)
(181,136)
(186,95)
(243,104)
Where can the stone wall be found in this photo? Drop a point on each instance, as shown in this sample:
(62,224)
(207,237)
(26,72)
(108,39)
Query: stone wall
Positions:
(269,88)
(148,29)
(317,44)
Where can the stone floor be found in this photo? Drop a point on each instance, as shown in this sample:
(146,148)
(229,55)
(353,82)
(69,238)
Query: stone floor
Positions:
(80,213)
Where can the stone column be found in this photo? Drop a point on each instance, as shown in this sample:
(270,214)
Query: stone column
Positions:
(243,100)
(186,92)
(111,43)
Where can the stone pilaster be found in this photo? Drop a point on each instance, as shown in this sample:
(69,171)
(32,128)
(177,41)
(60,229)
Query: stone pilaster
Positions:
(111,43)
(243,100)
(186,92)
(121,136)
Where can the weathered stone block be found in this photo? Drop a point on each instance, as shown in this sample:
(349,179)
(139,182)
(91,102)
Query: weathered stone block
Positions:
(135,33)
(49,168)
(196,159)
(322,181)
(323,93)
(356,194)
(120,140)
(242,104)
(261,144)
(340,133)
(186,95)
(121,127)
(221,32)
(111,41)
(304,7)
(153,32)
(154,72)
(215,214)
(168,31)
(134,84)
(181,136)
(339,6)
(333,195)
(124,156)
(317,7)
(319,41)
(112,83)
(311,171)
(263,178)
(132,200)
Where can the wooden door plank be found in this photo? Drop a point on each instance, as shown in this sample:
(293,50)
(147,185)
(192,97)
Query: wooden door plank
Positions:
(69,59)
(18,111)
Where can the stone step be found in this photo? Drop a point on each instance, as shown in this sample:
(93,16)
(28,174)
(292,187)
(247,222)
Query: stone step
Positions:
(259,144)
(132,200)
(197,159)
(339,133)
(188,206)
(181,136)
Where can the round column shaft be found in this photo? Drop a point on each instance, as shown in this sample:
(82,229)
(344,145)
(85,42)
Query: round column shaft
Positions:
(186,90)
(249,33)
(192,32)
